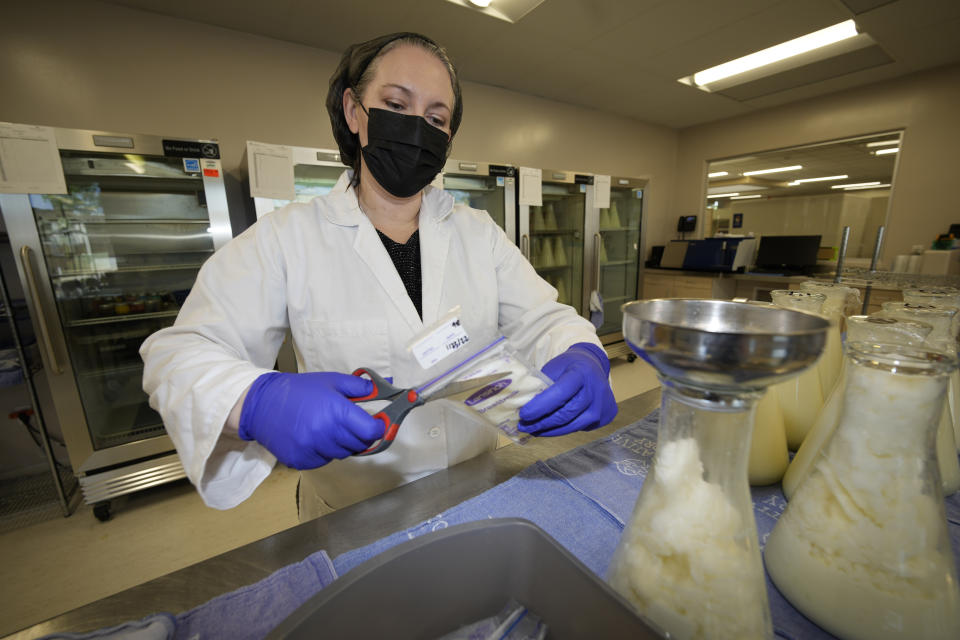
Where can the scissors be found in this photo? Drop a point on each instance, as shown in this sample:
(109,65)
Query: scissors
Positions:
(404,400)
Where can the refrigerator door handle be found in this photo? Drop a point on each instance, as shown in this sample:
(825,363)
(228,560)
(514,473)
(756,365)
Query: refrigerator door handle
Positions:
(525,246)
(597,241)
(27,261)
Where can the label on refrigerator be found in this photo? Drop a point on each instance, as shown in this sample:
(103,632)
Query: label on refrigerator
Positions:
(500,181)
(29,160)
(531,187)
(191,149)
(271,171)
(211,168)
(601,192)
(191,165)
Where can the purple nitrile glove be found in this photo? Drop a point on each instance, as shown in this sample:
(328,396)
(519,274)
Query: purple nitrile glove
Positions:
(580,398)
(306,419)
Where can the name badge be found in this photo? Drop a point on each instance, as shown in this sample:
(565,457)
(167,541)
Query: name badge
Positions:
(448,338)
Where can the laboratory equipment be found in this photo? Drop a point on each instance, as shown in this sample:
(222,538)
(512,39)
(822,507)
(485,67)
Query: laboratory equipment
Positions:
(689,557)
(104,262)
(862,547)
(488,187)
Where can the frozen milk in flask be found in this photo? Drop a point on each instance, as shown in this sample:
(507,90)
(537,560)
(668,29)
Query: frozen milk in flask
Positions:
(689,559)
(862,547)
(802,396)
(870,329)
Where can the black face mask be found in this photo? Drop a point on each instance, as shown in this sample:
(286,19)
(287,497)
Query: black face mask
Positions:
(404,153)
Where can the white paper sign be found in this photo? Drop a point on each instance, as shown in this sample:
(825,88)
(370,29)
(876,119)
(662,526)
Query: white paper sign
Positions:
(531,187)
(601,192)
(29,160)
(448,338)
(271,171)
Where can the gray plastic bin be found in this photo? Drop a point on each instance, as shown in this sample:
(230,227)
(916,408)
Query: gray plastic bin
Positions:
(441,581)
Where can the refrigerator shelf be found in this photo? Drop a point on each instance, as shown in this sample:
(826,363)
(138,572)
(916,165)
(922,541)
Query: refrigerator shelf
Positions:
(617,263)
(157,267)
(616,299)
(140,221)
(561,267)
(135,369)
(129,317)
(553,232)
(602,229)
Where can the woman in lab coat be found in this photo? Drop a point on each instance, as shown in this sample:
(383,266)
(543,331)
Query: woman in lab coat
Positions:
(356,275)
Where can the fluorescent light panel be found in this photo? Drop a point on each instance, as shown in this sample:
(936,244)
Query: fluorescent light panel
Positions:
(855,184)
(872,186)
(883,152)
(718,174)
(883,143)
(722,195)
(776,53)
(821,179)
(745,197)
(758,172)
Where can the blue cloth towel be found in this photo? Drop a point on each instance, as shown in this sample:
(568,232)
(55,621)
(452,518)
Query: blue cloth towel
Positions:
(584,497)
(255,610)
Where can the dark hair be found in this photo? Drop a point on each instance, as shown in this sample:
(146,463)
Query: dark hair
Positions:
(355,70)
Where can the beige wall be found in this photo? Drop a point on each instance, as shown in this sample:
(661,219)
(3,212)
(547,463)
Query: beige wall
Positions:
(90,65)
(926,105)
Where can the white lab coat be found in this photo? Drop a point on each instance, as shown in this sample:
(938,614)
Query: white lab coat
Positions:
(321,270)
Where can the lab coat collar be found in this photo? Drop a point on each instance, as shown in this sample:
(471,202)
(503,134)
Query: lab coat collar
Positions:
(345,209)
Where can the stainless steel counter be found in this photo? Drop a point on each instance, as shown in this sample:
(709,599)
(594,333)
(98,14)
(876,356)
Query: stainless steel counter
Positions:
(336,533)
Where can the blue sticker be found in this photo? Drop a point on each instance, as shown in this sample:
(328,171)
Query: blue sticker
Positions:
(191,165)
(583,188)
(499,181)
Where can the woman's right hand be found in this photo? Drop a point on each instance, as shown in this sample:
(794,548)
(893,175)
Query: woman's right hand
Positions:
(306,419)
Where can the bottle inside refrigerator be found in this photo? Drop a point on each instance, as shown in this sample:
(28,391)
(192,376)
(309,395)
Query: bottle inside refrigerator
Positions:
(104,265)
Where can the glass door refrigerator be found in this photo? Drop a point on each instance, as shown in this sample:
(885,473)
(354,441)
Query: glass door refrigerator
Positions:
(552,236)
(616,259)
(315,172)
(105,263)
(490,187)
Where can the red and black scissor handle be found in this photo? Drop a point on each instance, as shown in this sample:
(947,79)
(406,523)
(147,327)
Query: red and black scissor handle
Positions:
(402,402)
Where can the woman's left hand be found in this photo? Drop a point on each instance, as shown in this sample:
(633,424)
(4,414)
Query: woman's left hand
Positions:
(580,398)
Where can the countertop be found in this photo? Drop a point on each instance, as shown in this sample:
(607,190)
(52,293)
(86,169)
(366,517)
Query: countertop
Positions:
(336,533)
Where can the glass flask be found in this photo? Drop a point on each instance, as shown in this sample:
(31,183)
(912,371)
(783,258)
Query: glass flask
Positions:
(859,329)
(842,301)
(948,298)
(801,397)
(688,559)
(862,548)
(942,320)
(768,458)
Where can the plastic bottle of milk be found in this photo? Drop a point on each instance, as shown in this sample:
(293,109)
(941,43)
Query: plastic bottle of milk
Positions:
(941,339)
(842,301)
(859,329)
(801,397)
(862,548)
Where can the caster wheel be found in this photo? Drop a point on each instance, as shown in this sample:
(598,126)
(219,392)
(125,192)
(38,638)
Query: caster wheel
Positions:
(102,511)
(631,357)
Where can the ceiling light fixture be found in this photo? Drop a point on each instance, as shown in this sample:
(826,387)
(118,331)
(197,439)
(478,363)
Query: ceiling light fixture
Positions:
(855,184)
(483,4)
(511,11)
(806,49)
(883,143)
(888,150)
(718,174)
(745,197)
(722,195)
(871,186)
(802,180)
(758,172)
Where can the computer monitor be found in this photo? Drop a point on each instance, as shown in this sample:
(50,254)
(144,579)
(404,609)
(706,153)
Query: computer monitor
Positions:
(787,253)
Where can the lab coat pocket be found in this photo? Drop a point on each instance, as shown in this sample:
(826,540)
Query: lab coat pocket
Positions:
(346,345)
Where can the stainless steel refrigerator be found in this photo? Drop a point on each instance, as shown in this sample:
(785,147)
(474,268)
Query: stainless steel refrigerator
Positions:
(314,173)
(490,187)
(103,266)
(581,248)
(617,259)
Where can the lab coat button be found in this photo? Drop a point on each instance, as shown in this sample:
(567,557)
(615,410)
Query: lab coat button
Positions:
(435,432)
